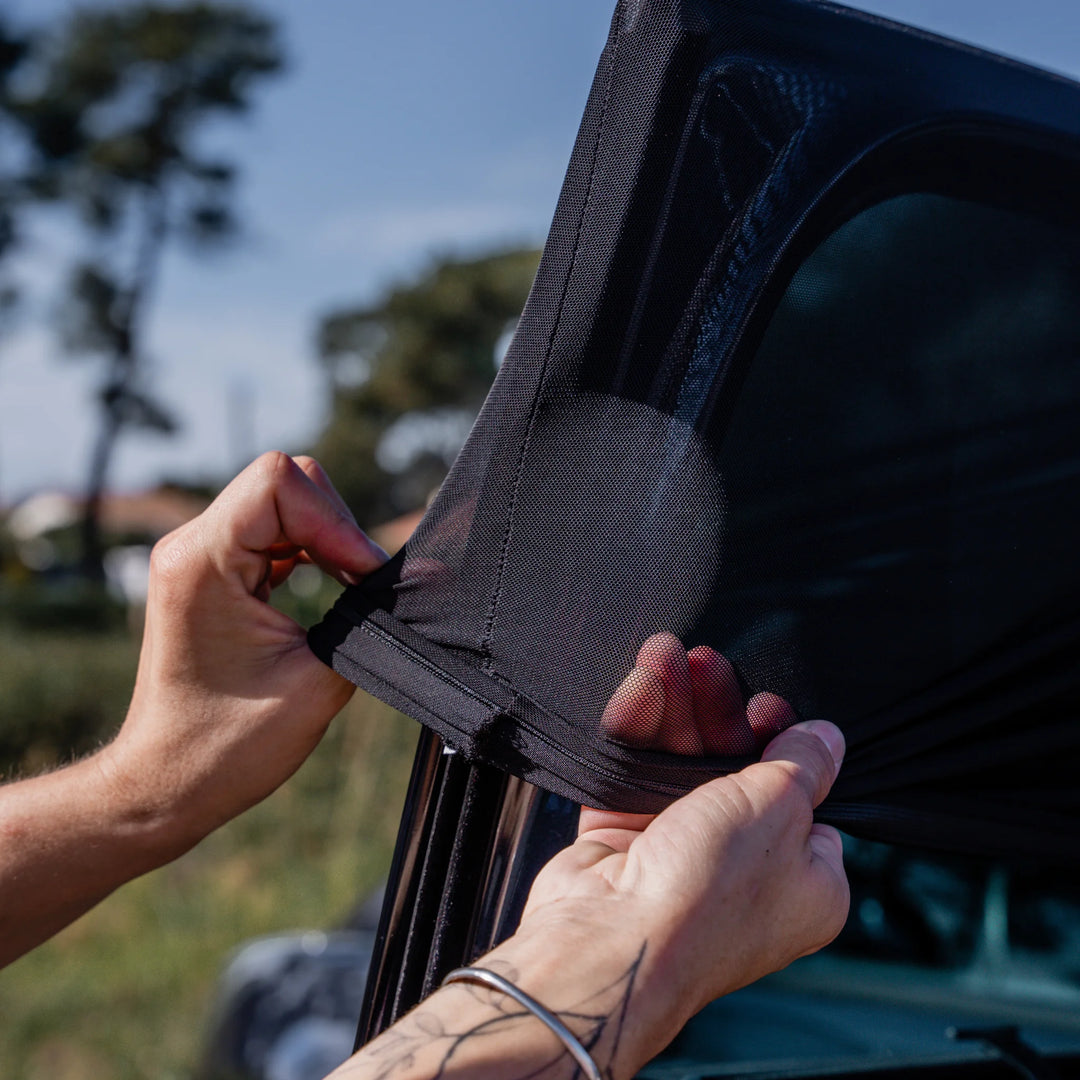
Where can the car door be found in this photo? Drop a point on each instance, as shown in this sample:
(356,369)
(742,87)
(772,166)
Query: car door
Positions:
(797,379)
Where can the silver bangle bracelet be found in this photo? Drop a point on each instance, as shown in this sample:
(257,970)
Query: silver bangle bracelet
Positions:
(497,982)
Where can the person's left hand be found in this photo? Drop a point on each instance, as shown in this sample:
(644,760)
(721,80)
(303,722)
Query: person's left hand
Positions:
(690,703)
(229,700)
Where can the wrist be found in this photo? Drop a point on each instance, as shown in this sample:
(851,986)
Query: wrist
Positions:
(605,976)
(591,968)
(147,818)
(591,982)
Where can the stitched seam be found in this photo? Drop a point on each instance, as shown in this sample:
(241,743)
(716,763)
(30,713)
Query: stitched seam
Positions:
(427,665)
(489,623)
(655,787)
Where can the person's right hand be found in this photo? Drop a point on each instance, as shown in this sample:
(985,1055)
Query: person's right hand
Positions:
(734,880)
(228,702)
(645,919)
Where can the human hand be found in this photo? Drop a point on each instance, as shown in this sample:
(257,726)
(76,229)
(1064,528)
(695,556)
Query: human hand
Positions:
(690,703)
(731,882)
(685,703)
(645,919)
(228,699)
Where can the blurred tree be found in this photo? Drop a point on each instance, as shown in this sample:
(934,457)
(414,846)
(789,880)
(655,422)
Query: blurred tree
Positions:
(13,51)
(121,97)
(408,374)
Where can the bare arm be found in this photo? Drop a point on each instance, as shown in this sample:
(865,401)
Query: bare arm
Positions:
(228,702)
(644,920)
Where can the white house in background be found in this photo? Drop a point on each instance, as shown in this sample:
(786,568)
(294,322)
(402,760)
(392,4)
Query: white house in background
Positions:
(131,523)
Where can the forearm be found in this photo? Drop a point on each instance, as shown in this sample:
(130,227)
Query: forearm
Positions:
(68,839)
(607,988)
(638,924)
(229,701)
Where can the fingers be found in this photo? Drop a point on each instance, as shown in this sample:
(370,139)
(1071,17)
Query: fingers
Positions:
(635,713)
(285,557)
(826,844)
(722,723)
(604,824)
(317,475)
(277,507)
(635,716)
(768,715)
(664,657)
(815,750)
(827,860)
(690,703)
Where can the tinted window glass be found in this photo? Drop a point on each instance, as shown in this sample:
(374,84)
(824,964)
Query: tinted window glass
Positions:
(907,432)
(933,945)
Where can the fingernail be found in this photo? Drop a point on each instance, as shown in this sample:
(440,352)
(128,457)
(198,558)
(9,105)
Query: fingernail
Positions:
(828,733)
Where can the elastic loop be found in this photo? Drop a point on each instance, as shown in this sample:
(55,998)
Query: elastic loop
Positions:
(497,982)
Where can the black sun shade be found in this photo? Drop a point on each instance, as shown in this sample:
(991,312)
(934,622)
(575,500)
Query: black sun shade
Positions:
(799,380)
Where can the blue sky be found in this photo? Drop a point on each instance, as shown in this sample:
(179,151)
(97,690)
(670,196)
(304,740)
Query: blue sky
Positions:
(399,130)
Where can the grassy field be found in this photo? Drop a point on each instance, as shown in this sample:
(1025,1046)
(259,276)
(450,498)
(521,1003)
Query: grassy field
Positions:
(61,693)
(124,993)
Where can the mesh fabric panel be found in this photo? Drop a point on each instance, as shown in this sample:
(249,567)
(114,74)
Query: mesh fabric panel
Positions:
(797,380)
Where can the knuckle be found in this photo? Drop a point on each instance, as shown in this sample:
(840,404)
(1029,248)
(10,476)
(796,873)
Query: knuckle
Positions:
(273,466)
(790,797)
(730,798)
(834,915)
(170,557)
(800,810)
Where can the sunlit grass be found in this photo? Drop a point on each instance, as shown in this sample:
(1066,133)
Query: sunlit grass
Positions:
(125,992)
(61,692)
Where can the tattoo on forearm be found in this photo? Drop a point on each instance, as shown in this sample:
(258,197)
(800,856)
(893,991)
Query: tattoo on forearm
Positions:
(597,1020)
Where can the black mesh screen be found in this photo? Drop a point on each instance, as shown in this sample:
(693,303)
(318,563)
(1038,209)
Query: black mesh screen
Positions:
(863,492)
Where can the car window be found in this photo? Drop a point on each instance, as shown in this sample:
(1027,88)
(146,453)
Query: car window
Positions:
(946,966)
(905,432)
(907,429)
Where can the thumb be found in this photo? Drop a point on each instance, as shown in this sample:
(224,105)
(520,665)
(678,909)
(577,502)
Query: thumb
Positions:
(816,749)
